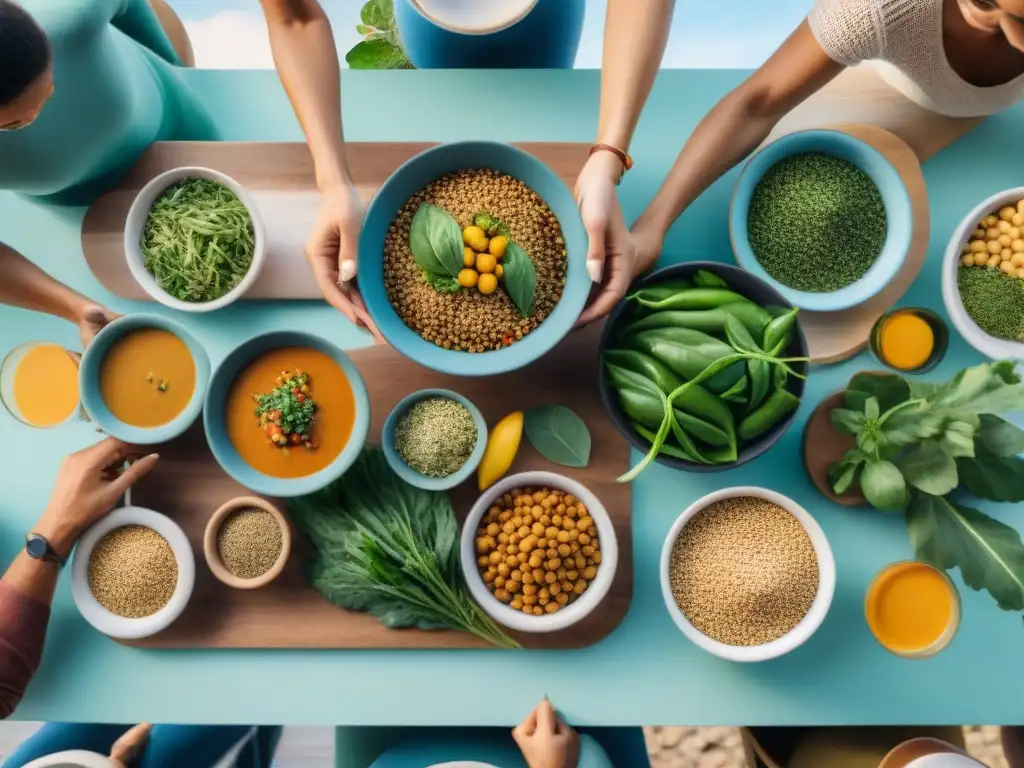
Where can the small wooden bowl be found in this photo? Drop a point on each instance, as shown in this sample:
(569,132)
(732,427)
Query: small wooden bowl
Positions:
(213,529)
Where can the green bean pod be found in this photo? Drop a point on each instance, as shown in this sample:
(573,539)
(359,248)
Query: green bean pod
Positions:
(737,393)
(777,407)
(688,352)
(779,332)
(718,455)
(660,291)
(695,298)
(669,450)
(707,320)
(644,365)
(638,397)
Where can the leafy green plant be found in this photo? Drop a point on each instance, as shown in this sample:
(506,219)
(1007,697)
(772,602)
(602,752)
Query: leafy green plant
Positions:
(442,283)
(436,241)
(491,224)
(558,434)
(917,444)
(384,547)
(381,47)
(520,278)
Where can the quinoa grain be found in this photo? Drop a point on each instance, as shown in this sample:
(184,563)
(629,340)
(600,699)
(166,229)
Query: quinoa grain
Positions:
(249,543)
(133,572)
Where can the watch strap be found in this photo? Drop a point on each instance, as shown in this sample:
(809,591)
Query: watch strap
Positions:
(38,547)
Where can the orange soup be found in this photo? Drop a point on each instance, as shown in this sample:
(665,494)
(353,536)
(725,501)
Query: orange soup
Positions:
(148,377)
(45,386)
(251,421)
(913,609)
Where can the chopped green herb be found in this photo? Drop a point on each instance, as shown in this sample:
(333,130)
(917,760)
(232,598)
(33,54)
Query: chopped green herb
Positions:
(816,222)
(198,241)
(994,301)
(287,412)
(162,386)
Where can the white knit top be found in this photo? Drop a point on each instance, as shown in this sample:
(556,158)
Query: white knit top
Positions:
(904,39)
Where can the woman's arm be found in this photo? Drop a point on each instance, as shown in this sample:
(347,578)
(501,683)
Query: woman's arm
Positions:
(87,487)
(733,129)
(635,34)
(23,284)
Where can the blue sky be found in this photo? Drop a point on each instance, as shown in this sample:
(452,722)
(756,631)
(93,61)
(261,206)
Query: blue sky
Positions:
(705,34)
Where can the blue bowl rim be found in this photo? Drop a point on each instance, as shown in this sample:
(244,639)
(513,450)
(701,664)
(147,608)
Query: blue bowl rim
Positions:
(535,344)
(410,475)
(284,487)
(744,455)
(894,251)
(89,388)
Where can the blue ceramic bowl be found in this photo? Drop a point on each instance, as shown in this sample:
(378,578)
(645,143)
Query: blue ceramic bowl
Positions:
(216,426)
(410,475)
(899,216)
(534,34)
(89,381)
(411,178)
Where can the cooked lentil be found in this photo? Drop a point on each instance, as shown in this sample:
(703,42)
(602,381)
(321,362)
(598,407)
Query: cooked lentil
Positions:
(994,300)
(743,571)
(816,222)
(537,549)
(133,572)
(471,321)
(436,436)
(249,542)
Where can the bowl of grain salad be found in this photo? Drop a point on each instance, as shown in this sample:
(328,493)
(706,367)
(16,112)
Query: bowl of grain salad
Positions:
(247,542)
(823,217)
(983,276)
(472,259)
(538,552)
(133,573)
(747,574)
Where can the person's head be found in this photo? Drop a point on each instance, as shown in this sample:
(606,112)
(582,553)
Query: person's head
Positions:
(25,82)
(1004,17)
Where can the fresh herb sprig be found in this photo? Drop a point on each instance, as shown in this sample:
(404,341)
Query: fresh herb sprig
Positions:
(289,406)
(198,240)
(385,547)
(918,442)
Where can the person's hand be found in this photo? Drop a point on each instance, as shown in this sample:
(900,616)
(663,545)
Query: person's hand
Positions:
(545,740)
(648,242)
(332,251)
(610,253)
(89,484)
(127,748)
(92,320)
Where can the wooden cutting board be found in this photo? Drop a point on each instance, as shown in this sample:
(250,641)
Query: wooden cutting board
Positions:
(279,175)
(188,485)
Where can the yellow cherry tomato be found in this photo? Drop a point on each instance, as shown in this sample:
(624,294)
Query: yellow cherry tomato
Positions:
(498,246)
(502,446)
(485,262)
(475,238)
(468,278)
(499,270)
(468,257)
(487,283)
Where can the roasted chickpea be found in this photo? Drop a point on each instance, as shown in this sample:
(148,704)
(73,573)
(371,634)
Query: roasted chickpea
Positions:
(517,603)
(503,595)
(529,589)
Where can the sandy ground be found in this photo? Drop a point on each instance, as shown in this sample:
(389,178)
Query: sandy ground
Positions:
(721,748)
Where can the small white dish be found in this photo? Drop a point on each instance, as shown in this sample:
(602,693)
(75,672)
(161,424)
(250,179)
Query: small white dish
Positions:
(807,626)
(997,349)
(136,221)
(75,758)
(109,623)
(575,611)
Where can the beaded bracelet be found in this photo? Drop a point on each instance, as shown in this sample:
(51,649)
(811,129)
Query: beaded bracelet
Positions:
(627,161)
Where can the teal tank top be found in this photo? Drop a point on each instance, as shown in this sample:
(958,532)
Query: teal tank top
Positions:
(117,89)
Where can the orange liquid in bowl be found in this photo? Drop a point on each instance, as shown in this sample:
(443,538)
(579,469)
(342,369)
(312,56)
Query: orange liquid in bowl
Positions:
(913,609)
(45,386)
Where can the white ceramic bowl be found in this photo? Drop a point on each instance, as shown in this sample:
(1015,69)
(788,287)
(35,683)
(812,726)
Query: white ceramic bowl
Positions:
(819,607)
(117,626)
(136,220)
(575,611)
(977,338)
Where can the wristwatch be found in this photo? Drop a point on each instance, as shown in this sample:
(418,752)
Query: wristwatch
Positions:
(38,548)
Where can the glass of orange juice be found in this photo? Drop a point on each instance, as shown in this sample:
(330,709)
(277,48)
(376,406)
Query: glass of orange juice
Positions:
(39,384)
(913,609)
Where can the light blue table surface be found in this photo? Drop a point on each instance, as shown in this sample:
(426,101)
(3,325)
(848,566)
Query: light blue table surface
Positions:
(645,672)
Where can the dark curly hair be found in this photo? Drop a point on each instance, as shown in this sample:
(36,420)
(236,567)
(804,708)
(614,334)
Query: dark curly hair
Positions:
(24,51)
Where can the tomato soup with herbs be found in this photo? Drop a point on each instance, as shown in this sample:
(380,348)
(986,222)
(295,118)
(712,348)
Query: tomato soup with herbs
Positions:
(45,386)
(148,377)
(290,413)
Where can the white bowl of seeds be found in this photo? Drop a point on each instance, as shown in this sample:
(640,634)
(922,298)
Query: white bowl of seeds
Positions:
(747,574)
(133,573)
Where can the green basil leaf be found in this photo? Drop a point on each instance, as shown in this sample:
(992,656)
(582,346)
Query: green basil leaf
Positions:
(442,283)
(779,332)
(378,53)
(844,481)
(890,390)
(378,13)
(989,553)
(738,336)
(871,409)
(883,485)
(999,437)
(737,393)
(558,434)
(520,278)
(760,381)
(930,469)
(705,279)
(998,478)
(436,241)
(958,439)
